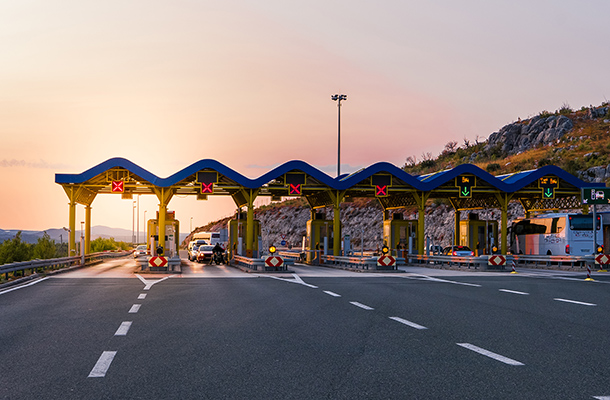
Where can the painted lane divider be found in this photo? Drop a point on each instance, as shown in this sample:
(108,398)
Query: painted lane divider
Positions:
(296,279)
(513,292)
(135,308)
(332,293)
(142,296)
(432,279)
(602,397)
(123,329)
(582,303)
(363,306)
(490,354)
(408,323)
(103,363)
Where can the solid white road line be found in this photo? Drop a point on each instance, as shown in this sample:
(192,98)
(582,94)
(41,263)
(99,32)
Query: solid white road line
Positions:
(123,329)
(23,286)
(365,307)
(576,302)
(602,397)
(102,364)
(408,323)
(332,293)
(135,308)
(489,354)
(142,296)
(513,292)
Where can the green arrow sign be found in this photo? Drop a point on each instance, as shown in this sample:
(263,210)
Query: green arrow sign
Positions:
(465,192)
(548,193)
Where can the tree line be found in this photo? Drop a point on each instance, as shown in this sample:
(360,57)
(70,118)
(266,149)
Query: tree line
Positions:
(16,250)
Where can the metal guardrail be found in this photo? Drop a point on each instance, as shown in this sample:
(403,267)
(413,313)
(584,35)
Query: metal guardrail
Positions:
(258,264)
(364,263)
(538,261)
(57,263)
(481,262)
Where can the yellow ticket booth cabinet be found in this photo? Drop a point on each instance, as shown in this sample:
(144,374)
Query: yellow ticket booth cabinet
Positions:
(238,229)
(479,235)
(399,233)
(172,236)
(319,237)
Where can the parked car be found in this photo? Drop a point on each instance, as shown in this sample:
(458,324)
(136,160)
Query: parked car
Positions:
(436,249)
(204,253)
(140,251)
(460,251)
(193,252)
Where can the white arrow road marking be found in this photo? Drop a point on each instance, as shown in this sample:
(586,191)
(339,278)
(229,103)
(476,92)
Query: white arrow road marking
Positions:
(149,283)
(102,364)
(489,354)
(297,279)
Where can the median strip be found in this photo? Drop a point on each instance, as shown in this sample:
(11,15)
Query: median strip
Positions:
(490,354)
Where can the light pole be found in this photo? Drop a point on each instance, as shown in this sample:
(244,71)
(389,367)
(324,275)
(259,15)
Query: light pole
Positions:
(191,224)
(138,213)
(338,98)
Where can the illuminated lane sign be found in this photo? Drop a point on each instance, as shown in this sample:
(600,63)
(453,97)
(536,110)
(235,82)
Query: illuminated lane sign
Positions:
(595,195)
(295,182)
(295,190)
(207,188)
(118,187)
(381,190)
(382,184)
(465,183)
(548,184)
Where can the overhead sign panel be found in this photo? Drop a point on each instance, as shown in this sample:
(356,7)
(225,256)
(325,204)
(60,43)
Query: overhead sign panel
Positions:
(295,182)
(465,183)
(595,195)
(118,187)
(207,179)
(548,184)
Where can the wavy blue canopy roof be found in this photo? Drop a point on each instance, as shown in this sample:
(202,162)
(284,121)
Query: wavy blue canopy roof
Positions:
(506,183)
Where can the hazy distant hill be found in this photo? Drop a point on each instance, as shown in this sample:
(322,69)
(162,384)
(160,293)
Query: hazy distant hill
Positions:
(60,235)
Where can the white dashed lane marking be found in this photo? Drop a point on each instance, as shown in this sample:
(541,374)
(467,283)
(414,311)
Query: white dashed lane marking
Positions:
(490,354)
(513,292)
(576,302)
(332,293)
(102,365)
(135,308)
(142,296)
(363,306)
(408,323)
(123,329)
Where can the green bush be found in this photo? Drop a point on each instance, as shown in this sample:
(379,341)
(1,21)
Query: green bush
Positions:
(493,167)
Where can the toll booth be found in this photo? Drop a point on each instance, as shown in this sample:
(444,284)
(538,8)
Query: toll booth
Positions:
(172,236)
(480,235)
(399,231)
(319,236)
(237,229)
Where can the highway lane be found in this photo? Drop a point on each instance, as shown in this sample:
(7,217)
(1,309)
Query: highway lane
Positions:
(304,336)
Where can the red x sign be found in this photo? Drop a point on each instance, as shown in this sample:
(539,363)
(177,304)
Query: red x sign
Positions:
(381,190)
(207,187)
(295,189)
(118,187)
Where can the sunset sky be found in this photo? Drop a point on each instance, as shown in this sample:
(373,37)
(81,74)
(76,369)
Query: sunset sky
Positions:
(248,83)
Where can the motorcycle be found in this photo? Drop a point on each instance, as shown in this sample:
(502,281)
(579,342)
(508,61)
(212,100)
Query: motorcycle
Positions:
(217,258)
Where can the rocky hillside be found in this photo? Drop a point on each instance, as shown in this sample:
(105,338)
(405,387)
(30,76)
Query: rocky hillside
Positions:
(577,141)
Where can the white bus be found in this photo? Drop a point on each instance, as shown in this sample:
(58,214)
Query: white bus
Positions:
(210,238)
(555,234)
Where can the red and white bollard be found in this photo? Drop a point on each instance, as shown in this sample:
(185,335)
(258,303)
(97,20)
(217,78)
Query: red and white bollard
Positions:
(513,264)
(589,273)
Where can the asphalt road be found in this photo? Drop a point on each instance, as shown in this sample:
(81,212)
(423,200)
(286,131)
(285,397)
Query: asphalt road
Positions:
(215,332)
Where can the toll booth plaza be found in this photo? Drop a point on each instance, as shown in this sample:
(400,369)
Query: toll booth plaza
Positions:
(465,187)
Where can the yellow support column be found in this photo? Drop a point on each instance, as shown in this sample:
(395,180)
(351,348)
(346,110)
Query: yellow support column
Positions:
(87,229)
(457,219)
(504,199)
(420,199)
(72,227)
(162,214)
(250,226)
(336,197)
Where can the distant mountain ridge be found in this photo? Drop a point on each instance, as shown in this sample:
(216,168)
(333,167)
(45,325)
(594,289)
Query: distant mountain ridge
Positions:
(61,235)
